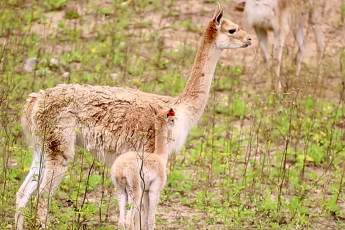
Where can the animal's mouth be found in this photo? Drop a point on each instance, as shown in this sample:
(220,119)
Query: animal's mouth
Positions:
(245,45)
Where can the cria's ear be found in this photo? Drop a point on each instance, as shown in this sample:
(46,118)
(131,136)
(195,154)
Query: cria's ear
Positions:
(171,113)
(240,6)
(218,15)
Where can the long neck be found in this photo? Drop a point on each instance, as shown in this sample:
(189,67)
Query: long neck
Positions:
(198,87)
(161,142)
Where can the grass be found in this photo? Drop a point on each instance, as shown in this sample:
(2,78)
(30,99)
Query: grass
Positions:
(256,159)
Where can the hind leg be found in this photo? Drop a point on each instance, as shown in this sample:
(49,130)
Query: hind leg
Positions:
(53,174)
(320,44)
(145,212)
(122,199)
(47,176)
(59,152)
(154,194)
(315,21)
(299,37)
(279,43)
(28,187)
(133,217)
(263,42)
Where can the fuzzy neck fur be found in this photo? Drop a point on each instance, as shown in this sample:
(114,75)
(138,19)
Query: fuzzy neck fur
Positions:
(161,140)
(197,90)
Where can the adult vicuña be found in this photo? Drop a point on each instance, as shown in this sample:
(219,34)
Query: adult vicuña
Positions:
(110,121)
(281,17)
(141,177)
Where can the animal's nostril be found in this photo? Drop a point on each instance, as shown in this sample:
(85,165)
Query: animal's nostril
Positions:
(249,39)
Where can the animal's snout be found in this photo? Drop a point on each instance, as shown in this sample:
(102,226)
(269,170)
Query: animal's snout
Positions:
(171,121)
(249,40)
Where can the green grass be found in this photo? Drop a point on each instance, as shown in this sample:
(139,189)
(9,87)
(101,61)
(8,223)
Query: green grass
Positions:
(256,159)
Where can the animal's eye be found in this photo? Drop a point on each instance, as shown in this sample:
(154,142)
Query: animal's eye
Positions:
(231,31)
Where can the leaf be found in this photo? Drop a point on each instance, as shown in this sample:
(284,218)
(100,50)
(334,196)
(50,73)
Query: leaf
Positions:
(55,4)
(332,206)
(94,181)
(268,204)
(238,108)
(316,152)
(309,103)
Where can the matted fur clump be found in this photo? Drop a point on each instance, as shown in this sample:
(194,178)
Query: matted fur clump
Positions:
(107,118)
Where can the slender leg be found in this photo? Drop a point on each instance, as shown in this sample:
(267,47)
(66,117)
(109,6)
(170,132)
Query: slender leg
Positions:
(263,42)
(280,37)
(133,215)
(320,41)
(46,174)
(55,163)
(28,187)
(134,195)
(122,197)
(314,17)
(154,194)
(129,215)
(145,213)
(54,172)
(299,37)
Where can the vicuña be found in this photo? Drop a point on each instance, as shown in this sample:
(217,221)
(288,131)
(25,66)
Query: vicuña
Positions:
(281,17)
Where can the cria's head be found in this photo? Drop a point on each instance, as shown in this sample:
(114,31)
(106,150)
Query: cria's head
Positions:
(225,33)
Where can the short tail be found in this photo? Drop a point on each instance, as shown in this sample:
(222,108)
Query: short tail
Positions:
(122,181)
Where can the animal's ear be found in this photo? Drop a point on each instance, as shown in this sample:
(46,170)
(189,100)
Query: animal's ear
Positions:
(240,6)
(218,15)
(171,113)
